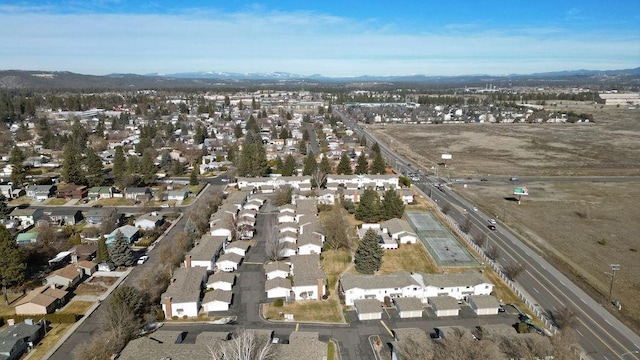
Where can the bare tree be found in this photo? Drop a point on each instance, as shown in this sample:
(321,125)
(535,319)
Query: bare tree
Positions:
(100,347)
(564,318)
(512,270)
(480,237)
(462,346)
(238,227)
(445,208)
(467,224)
(319,177)
(335,227)
(493,252)
(272,245)
(244,345)
(283,195)
(564,344)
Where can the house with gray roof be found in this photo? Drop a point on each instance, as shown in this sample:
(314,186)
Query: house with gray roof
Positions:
(217,300)
(221,280)
(400,284)
(278,288)
(182,297)
(131,234)
(149,221)
(444,306)
(483,304)
(399,230)
(205,252)
(368,309)
(229,262)
(238,247)
(276,269)
(173,344)
(458,286)
(41,192)
(27,216)
(303,345)
(309,281)
(409,307)
(17,339)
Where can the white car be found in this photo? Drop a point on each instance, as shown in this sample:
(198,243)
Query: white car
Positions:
(492,221)
(143,259)
(164,205)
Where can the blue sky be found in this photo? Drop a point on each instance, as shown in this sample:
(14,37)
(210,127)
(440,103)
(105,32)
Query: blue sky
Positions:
(332,38)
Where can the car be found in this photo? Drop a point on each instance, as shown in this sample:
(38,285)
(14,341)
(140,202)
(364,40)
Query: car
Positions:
(492,221)
(492,227)
(96,206)
(275,340)
(224,180)
(143,259)
(475,208)
(514,179)
(164,205)
(483,179)
(501,309)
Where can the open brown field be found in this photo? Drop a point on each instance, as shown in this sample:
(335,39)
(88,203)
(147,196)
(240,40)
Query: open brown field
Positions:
(582,225)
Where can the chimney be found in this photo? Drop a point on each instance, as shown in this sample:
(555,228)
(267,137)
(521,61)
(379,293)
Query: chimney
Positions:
(167,308)
(187,261)
(320,288)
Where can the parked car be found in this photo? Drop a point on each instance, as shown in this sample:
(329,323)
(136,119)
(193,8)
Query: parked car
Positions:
(164,205)
(96,206)
(143,259)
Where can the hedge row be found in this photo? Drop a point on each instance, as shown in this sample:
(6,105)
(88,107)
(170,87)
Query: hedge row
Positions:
(52,318)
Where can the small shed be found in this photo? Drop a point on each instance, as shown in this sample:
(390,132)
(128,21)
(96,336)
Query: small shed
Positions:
(278,288)
(483,304)
(409,307)
(444,305)
(217,300)
(368,309)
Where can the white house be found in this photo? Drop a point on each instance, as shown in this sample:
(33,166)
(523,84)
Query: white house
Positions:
(444,306)
(149,221)
(309,282)
(288,249)
(288,226)
(483,304)
(205,252)
(310,243)
(228,262)
(288,237)
(399,230)
(182,297)
(221,280)
(409,307)
(368,309)
(278,288)
(400,284)
(217,300)
(237,247)
(276,269)
(458,286)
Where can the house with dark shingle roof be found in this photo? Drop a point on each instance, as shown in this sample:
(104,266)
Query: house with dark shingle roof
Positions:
(217,300)
(16,339)
(309,281)
(182,297)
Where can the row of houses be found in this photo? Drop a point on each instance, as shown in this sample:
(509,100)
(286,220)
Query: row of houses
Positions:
(390,233)
(333,182)
(299,278)
(299,229)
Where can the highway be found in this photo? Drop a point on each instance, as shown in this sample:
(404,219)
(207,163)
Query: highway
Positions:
(599,333)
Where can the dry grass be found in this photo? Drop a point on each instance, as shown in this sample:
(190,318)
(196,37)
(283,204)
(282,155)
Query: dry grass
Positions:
(56,201)
(334,262)
(53,335)
(20,201)
(89,289)
(76,307)
(8,310)
(321,311)
(567,220)
(409,257)
(116,202)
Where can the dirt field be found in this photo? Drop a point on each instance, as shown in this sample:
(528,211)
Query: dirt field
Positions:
(583,225)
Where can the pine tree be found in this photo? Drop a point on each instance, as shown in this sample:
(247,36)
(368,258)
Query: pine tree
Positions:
(18,172)
(279,163)
(237,131)
(94,168)
(392,205)
(310,164)
(379,166)
(368,257)
(193,177)
(252,125)
(120,252)
(72,165)
(289,166)
(375,148)
(177,168)
(325,166)
(305,135)
(361,164)
(253,158)
(119,165)
(148,167)
(284,134)
(165,160)
(191,230)
(344,166)
(4,208)
(302,147)
(368,209)
(102,254)
(12,265)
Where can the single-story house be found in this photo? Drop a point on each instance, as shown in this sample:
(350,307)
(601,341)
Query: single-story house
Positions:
(137,193)
(131,234)
(288,249)
(206,252)
(16,339)
(278,288)
(40,301)
(177,194)
(217,300)
(368,309)
(237,247)
(27,238)
(182,297)
(27,216)
(221,280)
(229,262)
(399,230)
(95,216)
(100,192)
(483,304)
(86,268)
(309,282)
(149,221)
(444,306)
(276,269)
(64,216)
(40,192)
(409,307)
(68,276)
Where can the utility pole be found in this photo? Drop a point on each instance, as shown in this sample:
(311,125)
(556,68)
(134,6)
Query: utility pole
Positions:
(614,268)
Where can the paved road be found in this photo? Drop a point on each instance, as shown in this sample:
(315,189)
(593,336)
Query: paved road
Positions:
(313,139)
(600,334)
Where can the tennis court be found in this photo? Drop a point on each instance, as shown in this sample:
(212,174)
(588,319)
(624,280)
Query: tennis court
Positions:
(441,243)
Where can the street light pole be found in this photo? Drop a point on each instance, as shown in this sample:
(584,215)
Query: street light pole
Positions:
(614,268)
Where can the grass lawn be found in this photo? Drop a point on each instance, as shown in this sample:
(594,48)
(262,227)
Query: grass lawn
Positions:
(408,257)
(56,201)
(195,188)
(315,310)
(188,200)
(76,307)
(54,334)
(20,201)
(6,310)
(116,202)
(331,351)
(334,262)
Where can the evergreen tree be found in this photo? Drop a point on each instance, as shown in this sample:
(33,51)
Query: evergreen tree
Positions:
(18,172)
(284,134)
(253,158)
(94,167)
(344,166)
(379,166)
(193,177)
(133,165)
(12,264)
(302,147)
(165,160)
(237,131)
(72,165)
(363,141)
(252,125)
(369,207)
(368,257)
(325,166)
(120,252)
(305,135)
(177,168)
(375,148)
(148,167)
(392,205)
(361,164)
(279,163)
(119,165)
(310,164)
(289,166)
(4,208)
(102,254)
(191,230)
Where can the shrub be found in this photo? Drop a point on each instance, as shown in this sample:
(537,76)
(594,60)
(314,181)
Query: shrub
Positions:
(160,315)
(174,317)
(278,302)
(184,317)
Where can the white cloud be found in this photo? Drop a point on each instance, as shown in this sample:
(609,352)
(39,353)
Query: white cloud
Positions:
(300,42)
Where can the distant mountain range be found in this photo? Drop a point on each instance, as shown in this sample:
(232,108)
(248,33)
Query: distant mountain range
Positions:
(19,79)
